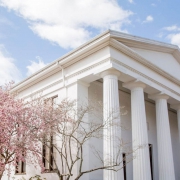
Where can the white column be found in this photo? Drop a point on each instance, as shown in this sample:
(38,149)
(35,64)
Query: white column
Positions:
(111,115)
(178,118)
(141,162)
(165,155)
(177,107)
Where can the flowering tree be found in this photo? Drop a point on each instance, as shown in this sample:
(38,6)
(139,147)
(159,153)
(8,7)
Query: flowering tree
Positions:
(54,136)
(15,137)
(65,135)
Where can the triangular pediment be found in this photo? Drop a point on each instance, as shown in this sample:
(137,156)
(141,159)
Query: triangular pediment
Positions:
(161,57)
(165,61)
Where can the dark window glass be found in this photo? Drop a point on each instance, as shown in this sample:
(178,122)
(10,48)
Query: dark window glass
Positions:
(20,167)
(124,165)
(151,160)
(48,152)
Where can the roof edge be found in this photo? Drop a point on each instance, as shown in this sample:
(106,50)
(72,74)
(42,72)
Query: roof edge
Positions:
(141,39)
(59,60)
(89,45)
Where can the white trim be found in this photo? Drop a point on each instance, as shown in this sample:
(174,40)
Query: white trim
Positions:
(131,53)
(95,44)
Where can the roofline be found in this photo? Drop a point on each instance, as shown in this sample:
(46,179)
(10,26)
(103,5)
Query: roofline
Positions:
(110,34)
(63,57)
(141,39)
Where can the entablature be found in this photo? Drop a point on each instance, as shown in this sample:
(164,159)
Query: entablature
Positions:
(109,50)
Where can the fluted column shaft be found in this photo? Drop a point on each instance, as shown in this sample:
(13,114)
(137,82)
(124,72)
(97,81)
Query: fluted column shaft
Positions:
(141,163)
(165,155)
(177,107)
(178,118)
(111,117)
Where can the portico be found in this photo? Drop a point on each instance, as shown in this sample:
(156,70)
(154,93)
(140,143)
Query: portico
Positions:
(123,70)
(141,164)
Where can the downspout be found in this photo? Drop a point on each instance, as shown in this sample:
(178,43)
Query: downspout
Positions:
(63,77)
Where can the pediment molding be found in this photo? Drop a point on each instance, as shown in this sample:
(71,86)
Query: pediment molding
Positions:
(131,53)
(108,38)
(144,43)
(145,76)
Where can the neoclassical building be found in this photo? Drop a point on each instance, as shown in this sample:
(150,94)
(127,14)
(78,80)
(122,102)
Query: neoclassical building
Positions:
(119,69)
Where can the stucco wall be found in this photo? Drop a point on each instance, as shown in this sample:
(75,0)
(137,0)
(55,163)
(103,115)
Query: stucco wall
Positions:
(96,91)
(161,60)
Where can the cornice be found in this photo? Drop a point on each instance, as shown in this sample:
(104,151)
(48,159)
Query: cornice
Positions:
(131,53)
(68,77)
(135,41)
(88,68)
(97,64)
(145,76)
(70,58)
(44,88)
(176,55)
(85,54)
(35,76)
(96,44)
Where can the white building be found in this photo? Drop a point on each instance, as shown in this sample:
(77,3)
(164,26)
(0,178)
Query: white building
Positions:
(141,74)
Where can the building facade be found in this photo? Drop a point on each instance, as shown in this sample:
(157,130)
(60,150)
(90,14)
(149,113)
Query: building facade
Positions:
(122,70)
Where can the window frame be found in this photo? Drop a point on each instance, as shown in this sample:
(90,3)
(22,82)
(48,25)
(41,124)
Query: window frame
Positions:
(20,167)
(48,161)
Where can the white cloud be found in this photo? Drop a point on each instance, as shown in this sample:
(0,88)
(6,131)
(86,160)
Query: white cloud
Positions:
(148,19)
(175,38)
(5,21)
(131,1)
(153,4)
(161,34)
(35,66)
(8,70)
(68,23)
(172,28)
(172,33)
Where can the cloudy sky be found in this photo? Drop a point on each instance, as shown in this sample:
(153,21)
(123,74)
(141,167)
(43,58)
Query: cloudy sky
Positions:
(34,33)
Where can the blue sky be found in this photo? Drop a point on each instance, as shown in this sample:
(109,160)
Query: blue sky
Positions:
(34,33)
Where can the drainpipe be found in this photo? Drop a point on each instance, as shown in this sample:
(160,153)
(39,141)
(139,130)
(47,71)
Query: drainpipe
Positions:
(62,69)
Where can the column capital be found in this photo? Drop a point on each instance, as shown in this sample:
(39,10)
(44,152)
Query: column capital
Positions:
(134,84)
(175,106)
(158,96)
(110,72)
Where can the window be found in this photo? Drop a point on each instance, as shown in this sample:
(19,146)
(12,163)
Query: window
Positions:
(52,101)
(48,150)
(20,167)
(48,153)
(151,160)
(124,165)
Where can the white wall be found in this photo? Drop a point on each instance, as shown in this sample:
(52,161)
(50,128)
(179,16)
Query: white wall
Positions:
(154,79)
(165,61)
(96,92)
